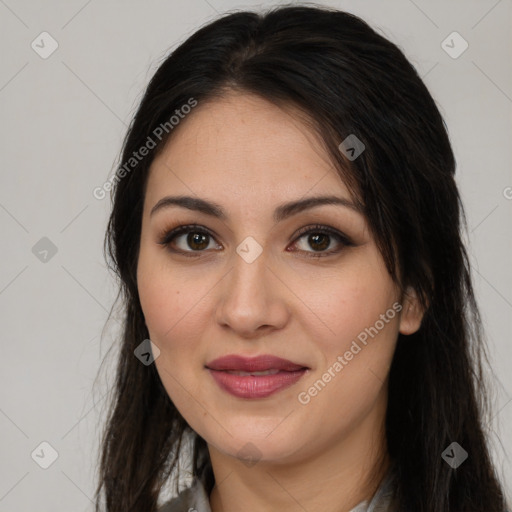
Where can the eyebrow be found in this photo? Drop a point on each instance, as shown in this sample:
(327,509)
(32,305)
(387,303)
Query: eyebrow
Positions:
(282,212)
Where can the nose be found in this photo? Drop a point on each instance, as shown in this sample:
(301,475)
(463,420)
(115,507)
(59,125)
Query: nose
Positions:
(252,299)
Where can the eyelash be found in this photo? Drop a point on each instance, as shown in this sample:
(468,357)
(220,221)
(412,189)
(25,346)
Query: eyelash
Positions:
(168,236)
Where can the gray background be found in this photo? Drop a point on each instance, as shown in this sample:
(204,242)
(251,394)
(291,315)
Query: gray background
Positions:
(62,123)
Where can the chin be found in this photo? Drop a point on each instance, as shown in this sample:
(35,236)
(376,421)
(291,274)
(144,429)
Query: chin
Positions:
(250,447)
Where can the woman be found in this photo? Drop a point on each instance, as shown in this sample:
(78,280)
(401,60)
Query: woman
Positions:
(287,232)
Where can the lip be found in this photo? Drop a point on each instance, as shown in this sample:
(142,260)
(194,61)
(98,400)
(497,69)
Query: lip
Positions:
(285,374)
(253,364)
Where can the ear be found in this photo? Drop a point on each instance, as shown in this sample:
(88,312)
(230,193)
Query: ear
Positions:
(412,313)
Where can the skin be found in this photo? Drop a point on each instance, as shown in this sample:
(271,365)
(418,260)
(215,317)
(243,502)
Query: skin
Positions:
(249,156)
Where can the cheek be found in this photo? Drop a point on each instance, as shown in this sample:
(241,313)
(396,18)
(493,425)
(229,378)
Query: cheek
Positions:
(176,311)
(351,378)
(341,304)
(364,312)
(173,322)
(164,296)
(360,315)
(159,300)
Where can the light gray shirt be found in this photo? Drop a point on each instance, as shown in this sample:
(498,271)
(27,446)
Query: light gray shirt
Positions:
(195,499)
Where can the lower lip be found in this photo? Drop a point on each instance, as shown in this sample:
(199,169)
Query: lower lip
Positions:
(255,386)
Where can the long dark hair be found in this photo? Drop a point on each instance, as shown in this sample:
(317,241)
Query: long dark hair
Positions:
(344,78)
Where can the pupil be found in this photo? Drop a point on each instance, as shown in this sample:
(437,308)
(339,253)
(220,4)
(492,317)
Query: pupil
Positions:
(194,239)
(315,238)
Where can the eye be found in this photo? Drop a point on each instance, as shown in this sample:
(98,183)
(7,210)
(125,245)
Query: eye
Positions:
(320,237)
(198,239)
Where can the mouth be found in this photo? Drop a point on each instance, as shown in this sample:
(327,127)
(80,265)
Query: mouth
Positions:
(253,365)
(245,374)
(256,377)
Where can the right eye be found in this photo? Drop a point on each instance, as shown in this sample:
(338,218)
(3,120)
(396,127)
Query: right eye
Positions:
(197,238)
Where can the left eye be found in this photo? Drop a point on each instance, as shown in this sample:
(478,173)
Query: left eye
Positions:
(320,237)
(198,239)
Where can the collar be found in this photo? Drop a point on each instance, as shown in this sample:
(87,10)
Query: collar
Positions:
(195,499)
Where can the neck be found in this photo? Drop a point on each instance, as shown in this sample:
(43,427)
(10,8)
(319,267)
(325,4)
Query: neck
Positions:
(337,479)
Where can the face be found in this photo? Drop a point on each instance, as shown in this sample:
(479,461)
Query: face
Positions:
(304,284)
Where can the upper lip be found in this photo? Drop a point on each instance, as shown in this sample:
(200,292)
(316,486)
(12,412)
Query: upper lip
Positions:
(253,364)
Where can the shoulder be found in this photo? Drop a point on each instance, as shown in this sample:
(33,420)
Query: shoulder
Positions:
(382,500)
(191,499)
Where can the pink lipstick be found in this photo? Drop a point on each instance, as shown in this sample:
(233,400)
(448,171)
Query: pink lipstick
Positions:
(254,377)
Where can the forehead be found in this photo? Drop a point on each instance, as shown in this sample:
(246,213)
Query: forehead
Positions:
(243,144)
